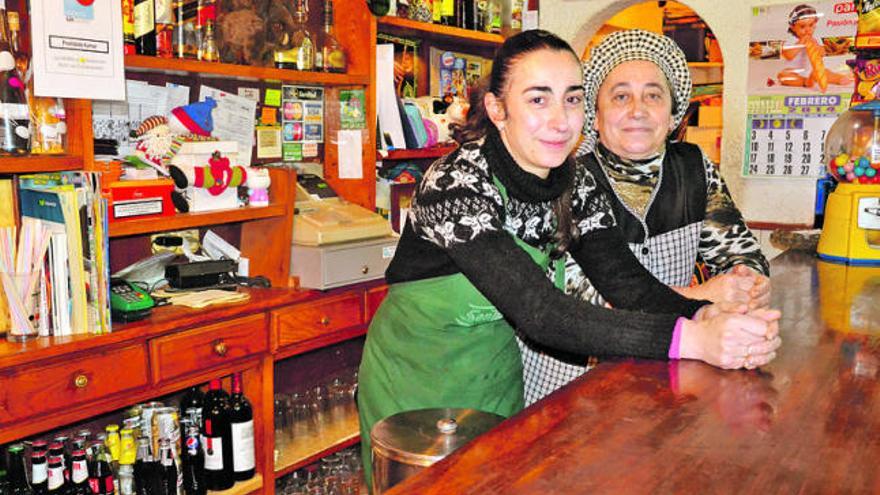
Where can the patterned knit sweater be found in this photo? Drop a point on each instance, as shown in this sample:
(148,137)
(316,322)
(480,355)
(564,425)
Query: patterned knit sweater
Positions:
(459,223)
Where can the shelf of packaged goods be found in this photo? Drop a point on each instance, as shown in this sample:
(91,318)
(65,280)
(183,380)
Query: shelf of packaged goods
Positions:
(39,163)
(182,66)
(438,32)
(435,152)
(333,437)
(188,220)
(252,485)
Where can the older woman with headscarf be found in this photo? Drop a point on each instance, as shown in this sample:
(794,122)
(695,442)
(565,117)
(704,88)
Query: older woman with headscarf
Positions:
(669,199)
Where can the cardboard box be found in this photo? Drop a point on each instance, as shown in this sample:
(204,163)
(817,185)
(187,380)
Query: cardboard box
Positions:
(140,199)
(707,138)
(709,116)
(197,154)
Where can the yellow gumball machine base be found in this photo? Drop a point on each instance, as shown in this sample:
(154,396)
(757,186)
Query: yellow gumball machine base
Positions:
(851,232)
(847,296)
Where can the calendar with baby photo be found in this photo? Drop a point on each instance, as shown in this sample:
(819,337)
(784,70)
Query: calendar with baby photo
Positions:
(798,83)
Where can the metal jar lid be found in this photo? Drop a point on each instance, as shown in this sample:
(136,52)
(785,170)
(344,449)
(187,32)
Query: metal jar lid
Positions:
(425,436)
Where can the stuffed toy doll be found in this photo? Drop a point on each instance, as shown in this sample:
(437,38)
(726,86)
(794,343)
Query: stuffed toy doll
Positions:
(258,182)
(154,144)
(215,177)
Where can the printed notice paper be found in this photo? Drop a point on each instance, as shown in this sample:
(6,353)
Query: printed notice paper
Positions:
(77,50)
(233,120)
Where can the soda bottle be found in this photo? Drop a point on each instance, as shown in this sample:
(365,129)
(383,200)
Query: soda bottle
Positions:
(79,473)
(145,470)
(16,478)
(39,473)
(112,442)
(191,405)
(55,476)
(241,424)
(193,464)
(168,468)
(216,439)
(39,446)
(100,473)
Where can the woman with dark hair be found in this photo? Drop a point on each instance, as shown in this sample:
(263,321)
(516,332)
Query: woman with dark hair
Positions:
(481,258)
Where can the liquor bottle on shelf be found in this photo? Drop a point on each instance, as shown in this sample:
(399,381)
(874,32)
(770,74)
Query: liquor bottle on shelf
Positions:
(192,459)
(447,12)
(206,13)
(216,439)
(79,473)
(16,473)
(493,17)
(14,112)
(55,483)
(145,27)
(465,13)
(332,53)
(164,26)
(241,424)
(300,51)
(39,473)
(208,51)
(22,61)
(128,44)
(184,37)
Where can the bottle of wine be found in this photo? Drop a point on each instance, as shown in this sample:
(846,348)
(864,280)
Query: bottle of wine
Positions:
(56,484)
(15,115)
(299,52)
(145,27)
(332,53)
(216,439)
(241,424)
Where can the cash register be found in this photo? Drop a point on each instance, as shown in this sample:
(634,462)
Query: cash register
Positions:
(335,242)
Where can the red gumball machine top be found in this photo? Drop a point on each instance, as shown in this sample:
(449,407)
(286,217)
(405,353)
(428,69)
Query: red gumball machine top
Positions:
(852,146)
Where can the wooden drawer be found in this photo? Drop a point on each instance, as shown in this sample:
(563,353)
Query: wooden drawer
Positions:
(306,321)
(208,346)
(26,390)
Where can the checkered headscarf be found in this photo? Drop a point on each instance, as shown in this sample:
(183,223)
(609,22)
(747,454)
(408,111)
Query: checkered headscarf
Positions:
(624,46)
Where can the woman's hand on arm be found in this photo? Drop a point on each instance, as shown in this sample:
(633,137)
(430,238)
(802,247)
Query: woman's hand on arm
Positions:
(731,340)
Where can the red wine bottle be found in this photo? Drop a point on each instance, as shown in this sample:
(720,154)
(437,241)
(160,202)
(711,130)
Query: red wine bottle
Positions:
(217,439)
(241,421)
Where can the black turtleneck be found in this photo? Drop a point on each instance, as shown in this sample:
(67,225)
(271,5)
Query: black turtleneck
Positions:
(459,224)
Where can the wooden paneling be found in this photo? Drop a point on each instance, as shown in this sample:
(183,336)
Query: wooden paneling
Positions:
(375,296)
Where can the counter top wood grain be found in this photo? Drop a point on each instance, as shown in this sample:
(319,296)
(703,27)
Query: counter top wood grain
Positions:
(809,422)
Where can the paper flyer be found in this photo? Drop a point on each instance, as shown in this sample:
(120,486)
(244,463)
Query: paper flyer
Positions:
(798,83)
(77,49)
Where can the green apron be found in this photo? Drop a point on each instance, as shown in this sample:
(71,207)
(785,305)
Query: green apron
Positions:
(437,343)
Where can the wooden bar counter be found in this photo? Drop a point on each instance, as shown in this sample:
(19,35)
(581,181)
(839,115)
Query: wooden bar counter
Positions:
(809,422)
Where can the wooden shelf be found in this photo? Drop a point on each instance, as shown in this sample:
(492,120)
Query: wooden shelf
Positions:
(189,220)
(34,164)
(332,438)
(438,32)
(243,487)
(435,152)
(183,66)
(705,64)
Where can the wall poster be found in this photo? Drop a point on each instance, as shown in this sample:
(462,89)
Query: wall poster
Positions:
(798,83)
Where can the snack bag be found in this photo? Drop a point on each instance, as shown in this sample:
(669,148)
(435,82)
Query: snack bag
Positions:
(868,33)
(867,74)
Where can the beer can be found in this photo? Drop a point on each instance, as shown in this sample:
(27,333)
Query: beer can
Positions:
(147,411)
(166,425)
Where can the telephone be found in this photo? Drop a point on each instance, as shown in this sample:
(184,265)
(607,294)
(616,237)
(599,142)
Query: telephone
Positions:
(128,302)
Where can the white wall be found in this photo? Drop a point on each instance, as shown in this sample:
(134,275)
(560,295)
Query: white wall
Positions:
(767,200)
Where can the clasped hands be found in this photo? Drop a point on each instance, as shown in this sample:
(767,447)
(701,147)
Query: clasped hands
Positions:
(739,330)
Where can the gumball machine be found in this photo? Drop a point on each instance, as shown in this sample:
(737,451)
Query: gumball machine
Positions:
(851,232)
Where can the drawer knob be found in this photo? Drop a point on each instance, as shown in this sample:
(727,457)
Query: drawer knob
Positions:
(365,269)
(220,348)
(80,381)
(325,320)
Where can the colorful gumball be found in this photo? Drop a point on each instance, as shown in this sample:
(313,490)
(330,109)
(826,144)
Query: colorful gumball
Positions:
(850,176)
(870,172)
(858,172)
(841,170)
(841,159)
(849,167)
(864,180)
(863,162)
